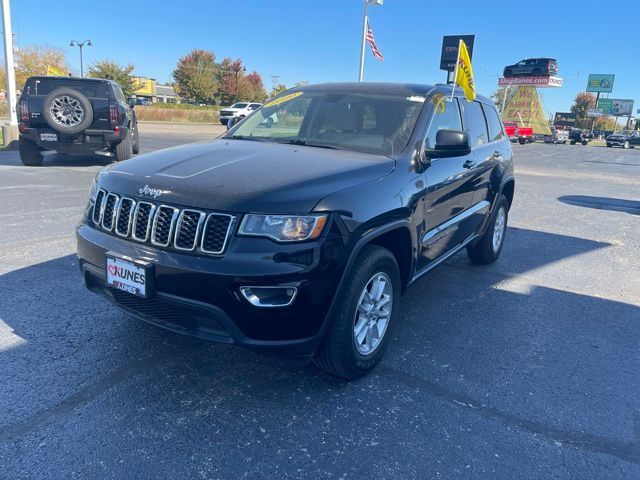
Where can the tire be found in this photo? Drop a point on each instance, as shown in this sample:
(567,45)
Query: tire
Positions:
(522,141)
(584,142)
(564,142)
(61,105)
(626,145)
(135,146)
(124,150)
(484,251)
(30,154)
(573,142)
(609,145)
(338,354)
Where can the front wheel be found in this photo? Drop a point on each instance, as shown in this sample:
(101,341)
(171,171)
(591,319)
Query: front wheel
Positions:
(488,248)
(358,334)
(584,142)
(522,141)
(573,142)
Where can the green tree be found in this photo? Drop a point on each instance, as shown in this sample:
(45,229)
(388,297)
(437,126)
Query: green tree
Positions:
(277,90)
(498,97)
(195,76)
(122,75)
(34,60)
(581,105)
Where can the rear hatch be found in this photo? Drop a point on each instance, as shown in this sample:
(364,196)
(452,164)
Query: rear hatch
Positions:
(37,89)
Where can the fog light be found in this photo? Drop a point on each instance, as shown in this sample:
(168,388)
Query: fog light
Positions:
(267,297)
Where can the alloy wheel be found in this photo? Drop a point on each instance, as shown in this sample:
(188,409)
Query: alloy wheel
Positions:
(498,230)
(66,111)
(373,313)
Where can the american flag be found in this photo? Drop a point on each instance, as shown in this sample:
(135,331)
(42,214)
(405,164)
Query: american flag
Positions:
(372,41)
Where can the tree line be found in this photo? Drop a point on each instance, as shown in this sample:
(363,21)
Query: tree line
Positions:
(197,78)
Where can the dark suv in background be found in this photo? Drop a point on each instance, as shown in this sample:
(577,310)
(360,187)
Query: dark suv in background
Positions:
(298,230)
(532,67)
(75,116)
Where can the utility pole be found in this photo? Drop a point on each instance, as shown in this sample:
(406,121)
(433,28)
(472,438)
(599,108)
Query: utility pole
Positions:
(10,130)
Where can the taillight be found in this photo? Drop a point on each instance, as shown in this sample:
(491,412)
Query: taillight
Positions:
(114,116)
(23,107)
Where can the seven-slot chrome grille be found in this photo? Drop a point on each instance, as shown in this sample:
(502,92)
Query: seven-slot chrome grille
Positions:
(162,225)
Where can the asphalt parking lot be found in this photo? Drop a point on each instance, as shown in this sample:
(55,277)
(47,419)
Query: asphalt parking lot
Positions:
(528,368)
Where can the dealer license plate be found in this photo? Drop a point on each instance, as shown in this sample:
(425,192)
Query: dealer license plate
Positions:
(48,137)
(128,276)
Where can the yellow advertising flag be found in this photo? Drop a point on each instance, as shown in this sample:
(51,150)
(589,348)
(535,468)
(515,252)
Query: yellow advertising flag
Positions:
(55,72)
(525,110)
(464,73)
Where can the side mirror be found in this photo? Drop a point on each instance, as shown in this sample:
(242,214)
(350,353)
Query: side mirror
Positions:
(450,143)
(132,102)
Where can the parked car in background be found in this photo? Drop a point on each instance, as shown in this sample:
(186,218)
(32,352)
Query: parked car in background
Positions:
(239,109)
(577,135)
(522,135)
(77,116)
(532,67)
(300,240)
(625,139)
(558,135)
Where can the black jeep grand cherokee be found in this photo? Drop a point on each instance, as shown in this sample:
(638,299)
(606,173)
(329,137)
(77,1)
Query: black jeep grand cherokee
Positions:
(75,116)
(298,230)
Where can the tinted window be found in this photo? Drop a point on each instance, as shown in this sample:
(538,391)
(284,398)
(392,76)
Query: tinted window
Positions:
(474,123)
(446,116)
(495,125)
(88,88)
(239,105)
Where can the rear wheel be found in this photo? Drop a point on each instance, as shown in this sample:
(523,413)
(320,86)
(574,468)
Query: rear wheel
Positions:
(488,248)
(358,334)
(124,150)
(30,154)
(522,141)
(135,147)
(584,142)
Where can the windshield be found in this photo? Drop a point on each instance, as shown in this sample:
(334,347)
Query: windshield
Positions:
(239,105)
(379,123)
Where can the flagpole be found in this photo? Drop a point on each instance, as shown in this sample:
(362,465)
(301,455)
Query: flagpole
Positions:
(455,72)
(364,39)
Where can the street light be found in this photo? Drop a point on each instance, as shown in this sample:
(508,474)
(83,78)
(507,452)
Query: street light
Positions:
(364,33)
(86,43)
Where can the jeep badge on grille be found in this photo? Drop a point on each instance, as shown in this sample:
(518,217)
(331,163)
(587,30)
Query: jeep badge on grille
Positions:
(152,192)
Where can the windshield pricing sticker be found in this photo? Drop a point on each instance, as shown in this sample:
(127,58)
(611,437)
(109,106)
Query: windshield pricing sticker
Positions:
(280,100)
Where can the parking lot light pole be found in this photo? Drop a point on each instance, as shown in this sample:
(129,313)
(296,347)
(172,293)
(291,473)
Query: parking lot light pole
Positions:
(86,43)
(365,22)
(10,131)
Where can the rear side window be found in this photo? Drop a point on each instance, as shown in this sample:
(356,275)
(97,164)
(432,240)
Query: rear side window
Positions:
(475,123)
(446,116)
(88,89)
(495,125)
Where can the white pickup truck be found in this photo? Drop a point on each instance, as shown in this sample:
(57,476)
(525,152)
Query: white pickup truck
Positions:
(238,109)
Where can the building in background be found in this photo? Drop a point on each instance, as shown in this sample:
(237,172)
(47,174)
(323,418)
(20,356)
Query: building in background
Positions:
(153,92)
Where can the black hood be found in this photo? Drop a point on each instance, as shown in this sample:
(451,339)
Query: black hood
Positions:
(244,176)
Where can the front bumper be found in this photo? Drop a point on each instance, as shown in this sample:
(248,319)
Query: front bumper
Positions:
(200,295)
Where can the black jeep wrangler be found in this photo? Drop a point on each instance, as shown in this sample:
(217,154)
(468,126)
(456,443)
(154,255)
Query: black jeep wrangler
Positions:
(75,116)
(300,238)
(577,135)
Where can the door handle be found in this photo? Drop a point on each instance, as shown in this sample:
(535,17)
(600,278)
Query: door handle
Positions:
(469,164)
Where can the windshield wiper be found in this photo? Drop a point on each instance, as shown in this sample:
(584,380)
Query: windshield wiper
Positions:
(307,143)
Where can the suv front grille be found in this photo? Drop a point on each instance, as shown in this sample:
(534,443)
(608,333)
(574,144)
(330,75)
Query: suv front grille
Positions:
(163,225)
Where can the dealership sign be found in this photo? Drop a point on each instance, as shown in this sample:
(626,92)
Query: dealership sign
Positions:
(540,82)
(615,107)
(598,83)
(564,119)
(450,44)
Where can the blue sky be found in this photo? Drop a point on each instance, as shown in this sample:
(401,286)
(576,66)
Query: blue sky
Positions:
(319,40)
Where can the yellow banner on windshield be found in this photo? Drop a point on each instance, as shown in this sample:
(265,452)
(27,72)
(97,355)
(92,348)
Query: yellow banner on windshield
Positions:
(283,99)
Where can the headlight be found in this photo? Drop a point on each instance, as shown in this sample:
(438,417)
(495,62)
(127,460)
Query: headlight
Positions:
(284,228)
(93,191)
